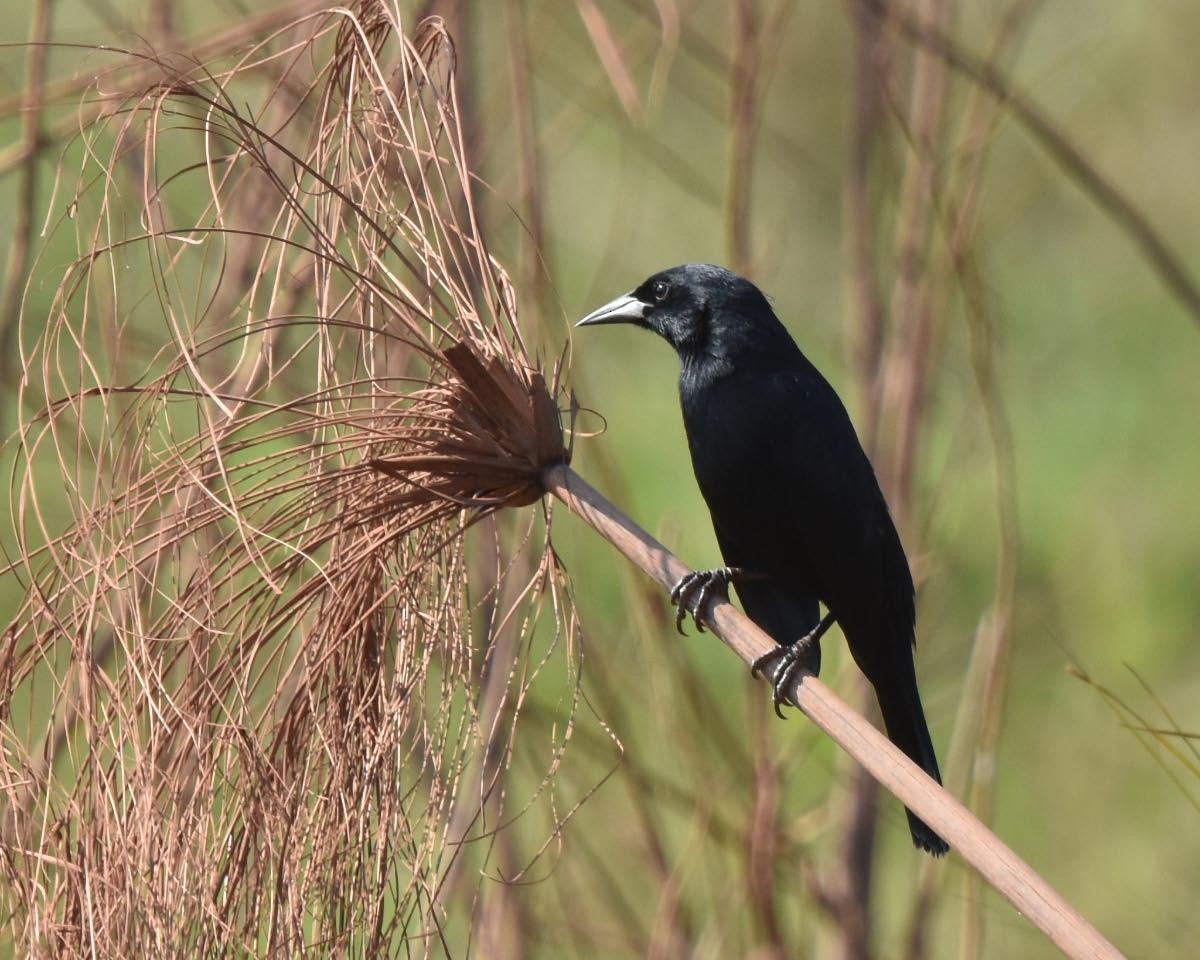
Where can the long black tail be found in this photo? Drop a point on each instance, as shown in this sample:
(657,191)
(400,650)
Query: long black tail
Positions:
(905,722)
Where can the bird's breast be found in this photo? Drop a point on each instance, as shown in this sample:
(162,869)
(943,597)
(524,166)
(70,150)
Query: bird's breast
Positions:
(741,445)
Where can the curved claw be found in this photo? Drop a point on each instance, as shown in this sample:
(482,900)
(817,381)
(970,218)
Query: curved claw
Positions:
(789,665)
(782,677)
(680,616)
(681,594)
(707,588)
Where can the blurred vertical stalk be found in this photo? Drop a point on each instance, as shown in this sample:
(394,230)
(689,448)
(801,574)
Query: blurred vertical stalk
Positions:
(532,272)
(912,328)
(749,69)
(970,762)
(500,920)
(503,923)
(457,15)
(849,891)
(743,109)
(161,15)
(673,927)
(893,375)
(478,805)
(866,315)
(757,33)
(21,228)
(996,633)
(764,831)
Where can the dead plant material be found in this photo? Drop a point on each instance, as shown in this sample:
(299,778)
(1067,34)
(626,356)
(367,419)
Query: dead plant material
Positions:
(484,439)
(239,704)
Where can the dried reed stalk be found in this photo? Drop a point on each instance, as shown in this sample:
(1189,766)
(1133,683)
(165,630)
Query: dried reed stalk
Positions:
(239,703)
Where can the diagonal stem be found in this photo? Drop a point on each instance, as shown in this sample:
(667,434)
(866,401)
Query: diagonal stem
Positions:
(1170,266)
(981,848)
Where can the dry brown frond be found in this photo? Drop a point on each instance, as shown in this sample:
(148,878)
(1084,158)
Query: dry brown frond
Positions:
(239,704)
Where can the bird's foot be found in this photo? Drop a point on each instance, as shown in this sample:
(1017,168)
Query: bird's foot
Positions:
(792,661)
(701,586)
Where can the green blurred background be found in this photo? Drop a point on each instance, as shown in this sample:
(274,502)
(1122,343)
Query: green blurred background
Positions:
(603,132)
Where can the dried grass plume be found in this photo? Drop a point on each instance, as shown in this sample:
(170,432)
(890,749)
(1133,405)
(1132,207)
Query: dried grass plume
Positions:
(262,689)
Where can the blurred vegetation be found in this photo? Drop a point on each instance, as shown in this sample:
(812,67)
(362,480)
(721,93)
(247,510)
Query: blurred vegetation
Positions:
(605,134)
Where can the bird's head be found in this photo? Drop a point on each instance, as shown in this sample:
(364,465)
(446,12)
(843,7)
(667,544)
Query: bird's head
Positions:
(700,309)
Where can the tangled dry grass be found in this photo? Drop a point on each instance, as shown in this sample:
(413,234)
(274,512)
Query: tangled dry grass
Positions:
(262,689)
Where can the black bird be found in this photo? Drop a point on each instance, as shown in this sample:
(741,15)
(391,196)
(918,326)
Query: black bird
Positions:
(795,504)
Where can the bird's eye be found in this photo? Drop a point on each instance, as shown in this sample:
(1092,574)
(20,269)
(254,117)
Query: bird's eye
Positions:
(660,290)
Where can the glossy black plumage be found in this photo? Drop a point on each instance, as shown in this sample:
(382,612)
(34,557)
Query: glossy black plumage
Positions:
(793,497)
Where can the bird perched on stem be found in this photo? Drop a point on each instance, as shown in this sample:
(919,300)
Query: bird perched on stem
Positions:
(795,504)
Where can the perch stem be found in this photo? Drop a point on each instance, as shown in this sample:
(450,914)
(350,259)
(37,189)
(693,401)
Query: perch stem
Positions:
(982,849)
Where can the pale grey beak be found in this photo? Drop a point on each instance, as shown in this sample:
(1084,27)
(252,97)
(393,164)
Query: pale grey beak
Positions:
(625,309)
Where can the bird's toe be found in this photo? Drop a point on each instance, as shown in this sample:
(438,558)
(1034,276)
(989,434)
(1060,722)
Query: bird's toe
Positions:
(694,591)
(758,667)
